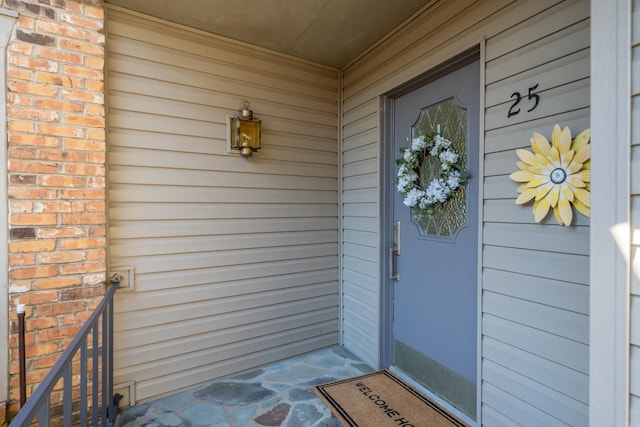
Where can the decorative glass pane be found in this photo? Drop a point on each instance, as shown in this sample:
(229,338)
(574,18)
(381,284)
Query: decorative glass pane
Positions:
(451,120)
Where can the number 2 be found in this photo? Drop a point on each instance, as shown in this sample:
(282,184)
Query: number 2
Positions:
(512,110)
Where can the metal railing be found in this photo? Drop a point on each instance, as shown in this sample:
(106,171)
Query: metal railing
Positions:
(96,405)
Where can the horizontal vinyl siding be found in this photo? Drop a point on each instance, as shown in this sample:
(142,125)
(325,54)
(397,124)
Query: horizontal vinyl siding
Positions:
(236,260)
(634,369)
(535,276)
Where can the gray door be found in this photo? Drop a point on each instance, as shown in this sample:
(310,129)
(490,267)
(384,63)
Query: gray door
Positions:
(435,294)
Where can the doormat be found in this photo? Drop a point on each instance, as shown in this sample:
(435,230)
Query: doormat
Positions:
(381,399)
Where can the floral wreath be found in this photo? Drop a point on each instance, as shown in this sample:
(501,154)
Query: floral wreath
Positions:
(426,197)
(556,175)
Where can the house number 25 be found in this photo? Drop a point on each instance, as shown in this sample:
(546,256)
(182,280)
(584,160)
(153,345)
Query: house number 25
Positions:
(532,98)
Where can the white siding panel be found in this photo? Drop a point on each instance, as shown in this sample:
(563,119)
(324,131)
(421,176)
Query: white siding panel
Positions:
(236,260)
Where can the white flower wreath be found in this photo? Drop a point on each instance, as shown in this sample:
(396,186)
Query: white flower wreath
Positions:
(426,197)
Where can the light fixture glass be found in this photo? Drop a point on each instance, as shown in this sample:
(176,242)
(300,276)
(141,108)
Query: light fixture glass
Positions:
(245,131)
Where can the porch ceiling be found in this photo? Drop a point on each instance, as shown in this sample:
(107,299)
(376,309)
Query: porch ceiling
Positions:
(329,32)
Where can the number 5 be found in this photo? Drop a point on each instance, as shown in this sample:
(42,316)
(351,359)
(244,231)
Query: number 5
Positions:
(535,96)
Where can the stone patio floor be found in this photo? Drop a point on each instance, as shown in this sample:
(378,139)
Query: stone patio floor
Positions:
(275,395)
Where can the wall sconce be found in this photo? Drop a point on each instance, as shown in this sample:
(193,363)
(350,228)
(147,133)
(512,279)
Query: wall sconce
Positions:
(244,131)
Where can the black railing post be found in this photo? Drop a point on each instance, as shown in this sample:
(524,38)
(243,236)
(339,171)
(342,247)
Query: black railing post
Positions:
(22,355)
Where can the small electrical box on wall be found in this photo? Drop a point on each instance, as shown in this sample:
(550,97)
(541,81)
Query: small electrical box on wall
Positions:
(127,273)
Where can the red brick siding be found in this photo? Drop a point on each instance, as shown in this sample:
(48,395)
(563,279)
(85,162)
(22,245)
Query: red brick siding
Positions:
(57,198)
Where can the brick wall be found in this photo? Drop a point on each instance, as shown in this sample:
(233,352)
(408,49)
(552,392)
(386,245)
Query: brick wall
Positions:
(56,154)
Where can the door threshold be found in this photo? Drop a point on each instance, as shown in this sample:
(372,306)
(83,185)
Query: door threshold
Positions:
(446,405)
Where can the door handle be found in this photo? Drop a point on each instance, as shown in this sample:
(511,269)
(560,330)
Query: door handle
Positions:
(392,267)
(394,251)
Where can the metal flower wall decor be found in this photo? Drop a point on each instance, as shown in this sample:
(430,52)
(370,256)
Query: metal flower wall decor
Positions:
(556,175)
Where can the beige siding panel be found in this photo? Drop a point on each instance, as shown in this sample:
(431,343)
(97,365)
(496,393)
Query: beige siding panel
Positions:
(513,411)
(362,139)
(229,359)
(169,228)
(553,320)
(368,110)
(366,253)
(540,343)
(635,165)
(556,45)
(362,167)
(528,262)
(221,49)
(239,179)
(168,280)
(356,182)
(538,27)
(294,282)
(563,407)
(242,330)
(635,65)
(568,382)
(361,224)
(429,40)
(548,75)
(634,408)
(537,238)
(558,100)
(369,151)
(635,320)
(634,372)
(549,292)
(236,260)
(502,210)
(535,276)
(518,136)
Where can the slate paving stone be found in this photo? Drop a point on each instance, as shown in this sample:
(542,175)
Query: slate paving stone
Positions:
(274,416)
(279,395)
(298,394)
(304,415)
(174,402)
(204,414)
(233,393)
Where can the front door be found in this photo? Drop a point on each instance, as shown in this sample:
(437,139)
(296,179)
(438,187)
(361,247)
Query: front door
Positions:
(435,258)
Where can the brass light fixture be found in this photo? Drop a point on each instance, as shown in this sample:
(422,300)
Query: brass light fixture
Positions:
(244,131)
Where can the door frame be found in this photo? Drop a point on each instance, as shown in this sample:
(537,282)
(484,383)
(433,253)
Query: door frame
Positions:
(387,157)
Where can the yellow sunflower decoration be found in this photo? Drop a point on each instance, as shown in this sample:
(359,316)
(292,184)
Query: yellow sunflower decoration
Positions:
(556,175)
